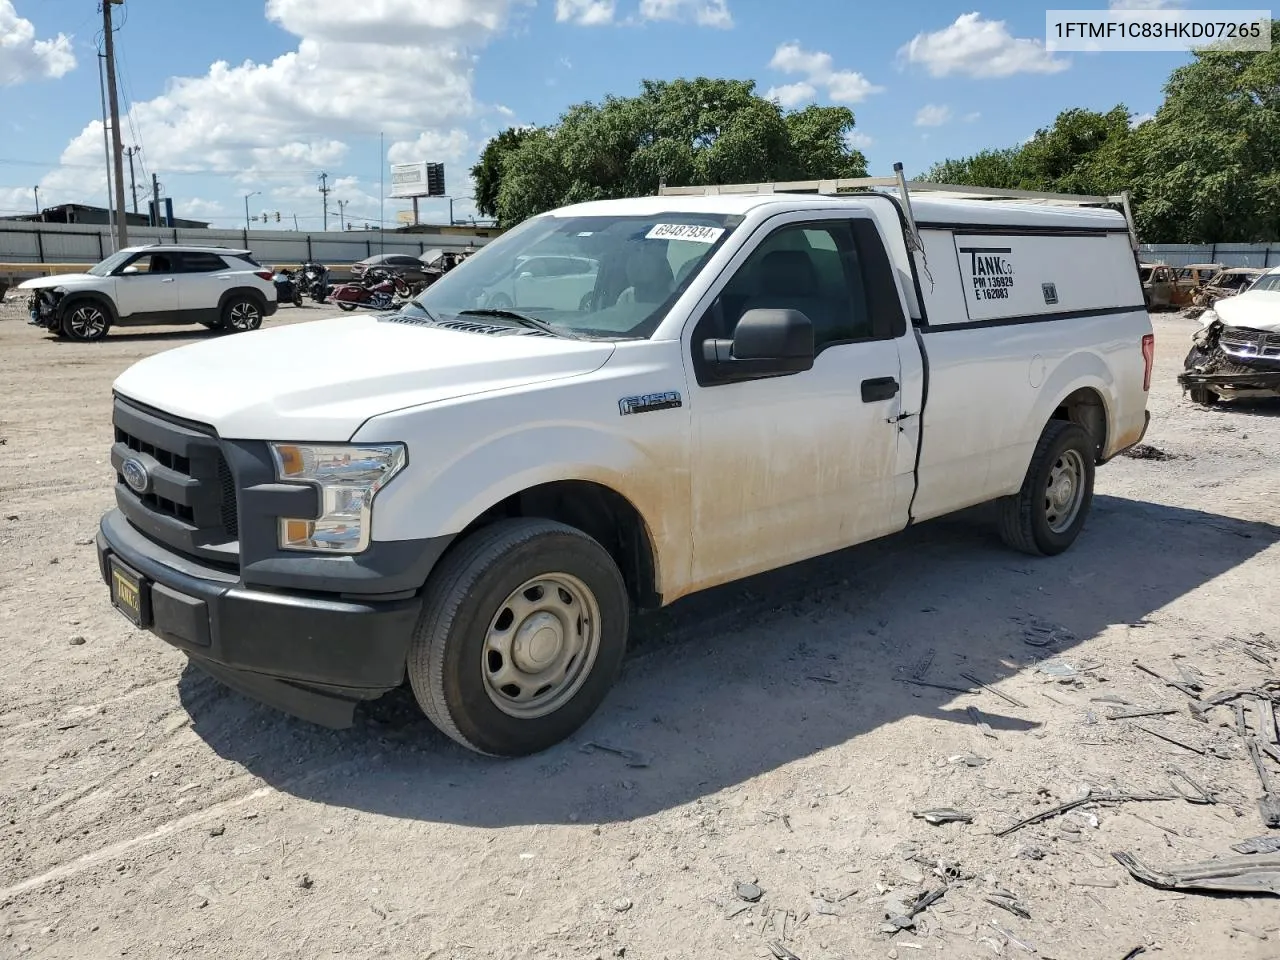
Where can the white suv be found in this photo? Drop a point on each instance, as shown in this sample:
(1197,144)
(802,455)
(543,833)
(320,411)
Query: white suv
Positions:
(223,289)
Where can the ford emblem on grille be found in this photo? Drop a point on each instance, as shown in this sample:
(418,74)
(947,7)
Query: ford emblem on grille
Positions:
(135,475)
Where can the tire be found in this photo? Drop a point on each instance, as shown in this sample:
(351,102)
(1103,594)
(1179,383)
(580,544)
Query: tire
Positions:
(345,307)
(241,314)
(1203,396)
(464,664)
(297,297)
(85,321)
(1034,520)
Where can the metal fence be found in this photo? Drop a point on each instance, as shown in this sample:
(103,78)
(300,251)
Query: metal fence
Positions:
(22,242)
(1227,254)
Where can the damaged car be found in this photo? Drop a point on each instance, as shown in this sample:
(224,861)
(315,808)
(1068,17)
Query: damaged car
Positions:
(1236,353)
(1227,283)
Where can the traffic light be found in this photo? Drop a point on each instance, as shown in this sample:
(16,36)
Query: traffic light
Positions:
(277,216)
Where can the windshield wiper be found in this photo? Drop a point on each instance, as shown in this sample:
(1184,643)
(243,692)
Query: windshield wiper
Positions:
(523,319)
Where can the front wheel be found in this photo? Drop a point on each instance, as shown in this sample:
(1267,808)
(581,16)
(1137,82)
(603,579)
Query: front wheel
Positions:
(522,633)
(241,315)
(85,322)
(347,307)
(1203,396)
(1048,513)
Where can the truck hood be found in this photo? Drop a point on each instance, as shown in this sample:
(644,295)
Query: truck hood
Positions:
(1259,310)
(322,380)
(58,280)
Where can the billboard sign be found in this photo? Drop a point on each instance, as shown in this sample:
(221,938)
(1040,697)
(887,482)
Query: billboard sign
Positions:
(419,179)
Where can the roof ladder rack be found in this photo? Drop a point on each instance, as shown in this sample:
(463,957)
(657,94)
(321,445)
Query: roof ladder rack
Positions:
(853,185)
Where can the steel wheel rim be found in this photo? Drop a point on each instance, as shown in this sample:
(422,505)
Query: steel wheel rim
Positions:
(243,316)
(88,321)
(1064,492)
(541,645)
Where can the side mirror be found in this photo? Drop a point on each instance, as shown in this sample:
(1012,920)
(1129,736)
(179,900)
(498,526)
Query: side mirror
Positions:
(766,343)
(128,271)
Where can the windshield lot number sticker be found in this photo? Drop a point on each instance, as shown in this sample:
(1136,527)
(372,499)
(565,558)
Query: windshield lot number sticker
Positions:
(685,231)
(991,271)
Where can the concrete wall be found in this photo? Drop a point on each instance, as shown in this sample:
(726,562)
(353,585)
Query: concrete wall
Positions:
(87,243)
(1227,254)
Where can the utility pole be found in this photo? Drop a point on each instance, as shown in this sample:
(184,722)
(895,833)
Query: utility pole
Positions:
(325,190)
(155,197)
(112,216)
(133,184)
(117,154)
(342,220)
(36,188)
(295,223)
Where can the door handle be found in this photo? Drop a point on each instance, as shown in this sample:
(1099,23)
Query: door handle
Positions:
(879,388)
(167,280)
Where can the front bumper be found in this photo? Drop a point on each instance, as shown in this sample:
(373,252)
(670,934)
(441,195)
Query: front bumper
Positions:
(313,656)
(1236,383)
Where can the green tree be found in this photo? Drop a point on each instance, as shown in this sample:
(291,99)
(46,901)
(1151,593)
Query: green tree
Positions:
(678,132)
(1209,163)
(487,173)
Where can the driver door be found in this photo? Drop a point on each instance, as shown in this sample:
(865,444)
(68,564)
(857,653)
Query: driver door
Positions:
(790,467)
(152,292)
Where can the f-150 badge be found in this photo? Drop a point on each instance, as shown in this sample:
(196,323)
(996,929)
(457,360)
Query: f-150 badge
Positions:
(649,402)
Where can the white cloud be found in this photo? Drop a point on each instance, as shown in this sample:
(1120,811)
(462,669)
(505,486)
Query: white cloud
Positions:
(587,13)
(1141,118)
(792,95)
(1146,4)
(932,115)
(23,57)
(972,117)
(976,47)
(842,86)
(705,13)
(856,140)
(402,68)
(194,208)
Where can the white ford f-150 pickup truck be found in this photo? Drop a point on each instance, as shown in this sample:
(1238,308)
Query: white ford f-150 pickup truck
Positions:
(474,494)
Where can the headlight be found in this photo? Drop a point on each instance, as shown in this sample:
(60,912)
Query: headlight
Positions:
(348,477)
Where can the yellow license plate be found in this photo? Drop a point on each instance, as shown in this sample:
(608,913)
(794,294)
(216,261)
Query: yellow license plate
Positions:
(128,594)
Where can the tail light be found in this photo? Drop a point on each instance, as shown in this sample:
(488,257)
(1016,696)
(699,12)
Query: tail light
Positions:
(1148,359)
(264,274)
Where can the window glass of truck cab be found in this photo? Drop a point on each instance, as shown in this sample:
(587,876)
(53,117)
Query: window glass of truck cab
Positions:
(814,268)
(610,277)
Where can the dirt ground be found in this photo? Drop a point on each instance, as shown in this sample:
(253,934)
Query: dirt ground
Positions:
(146,811)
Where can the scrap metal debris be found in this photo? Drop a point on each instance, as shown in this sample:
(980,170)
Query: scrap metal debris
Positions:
(1144,451)
(1009,903)
(1037,633)
(634,758)
(1081,801)
(1249,874)
(1011,938)
(1176,684)
(1267,844)
(990,689)
(1152,712)
(943,815)
(749,892)
(936,686)
(976,716)
(1167,739)
(1269,802)
(1201,794)
(1135,952)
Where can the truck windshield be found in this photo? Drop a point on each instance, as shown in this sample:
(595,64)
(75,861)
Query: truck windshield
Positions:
(603,277)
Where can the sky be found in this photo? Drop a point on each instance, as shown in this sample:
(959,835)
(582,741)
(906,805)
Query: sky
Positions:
(259,97)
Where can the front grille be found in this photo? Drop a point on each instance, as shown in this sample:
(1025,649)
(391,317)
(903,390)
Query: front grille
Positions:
(189,501)
(1242,342)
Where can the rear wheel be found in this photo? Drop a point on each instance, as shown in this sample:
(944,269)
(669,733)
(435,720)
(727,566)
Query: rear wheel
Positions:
(85,321)
(1048,513)
(241,314)
(522,633)
(346,307)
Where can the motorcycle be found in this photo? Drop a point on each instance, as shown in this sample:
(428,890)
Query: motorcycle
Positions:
(288,288)
(376,290)
(315,280)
